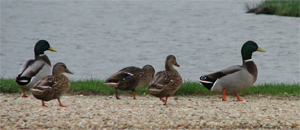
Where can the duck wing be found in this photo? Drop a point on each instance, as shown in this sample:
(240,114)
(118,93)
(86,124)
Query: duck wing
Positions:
(30,69)
(209,80)
(45,83)
(160,80)
(124,74)
(33,71)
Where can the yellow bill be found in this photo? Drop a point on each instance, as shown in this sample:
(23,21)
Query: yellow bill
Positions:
(51,49)
(260,49)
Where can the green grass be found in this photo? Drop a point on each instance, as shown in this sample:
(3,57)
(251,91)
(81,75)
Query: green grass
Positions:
(277,7)
(8,86)
(92,85)
(95,86)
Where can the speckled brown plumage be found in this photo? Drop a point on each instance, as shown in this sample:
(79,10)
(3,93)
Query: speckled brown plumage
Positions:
(53,86)
(166,83)
(130,78)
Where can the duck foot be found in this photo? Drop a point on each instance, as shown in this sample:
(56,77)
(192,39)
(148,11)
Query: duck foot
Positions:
(43,104)
(60,104)
(24,94)
(224,96)
(163,100)
(117,97)
(239,99)
(133,92)
(166,100)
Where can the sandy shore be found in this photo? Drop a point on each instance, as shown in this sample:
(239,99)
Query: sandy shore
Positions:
(99,112)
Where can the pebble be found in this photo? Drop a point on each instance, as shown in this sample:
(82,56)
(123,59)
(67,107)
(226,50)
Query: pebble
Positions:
(147,112)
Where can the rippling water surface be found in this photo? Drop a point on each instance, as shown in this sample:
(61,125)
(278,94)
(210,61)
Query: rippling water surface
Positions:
(97,38)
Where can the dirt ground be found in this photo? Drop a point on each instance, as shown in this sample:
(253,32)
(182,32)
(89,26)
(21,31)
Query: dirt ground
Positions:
(147,112)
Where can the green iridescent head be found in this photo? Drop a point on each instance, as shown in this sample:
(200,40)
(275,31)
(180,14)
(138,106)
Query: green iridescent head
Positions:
(41,46)
(248,48)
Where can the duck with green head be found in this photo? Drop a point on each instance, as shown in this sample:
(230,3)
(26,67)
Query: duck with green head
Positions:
(35,69)
(237,78)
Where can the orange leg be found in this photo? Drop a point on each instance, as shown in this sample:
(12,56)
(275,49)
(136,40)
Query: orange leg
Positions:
(60,104)
(224,96)
(24,94)
(43,104)
(163,100)
(117,97)
(166,100)
(238,98)
(133,92)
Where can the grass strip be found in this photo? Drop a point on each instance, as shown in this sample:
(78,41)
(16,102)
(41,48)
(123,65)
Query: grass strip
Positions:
(94,86)
(276,7)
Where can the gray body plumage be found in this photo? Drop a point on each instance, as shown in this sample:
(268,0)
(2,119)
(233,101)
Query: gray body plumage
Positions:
(234,78)
(237,79)
(32,71)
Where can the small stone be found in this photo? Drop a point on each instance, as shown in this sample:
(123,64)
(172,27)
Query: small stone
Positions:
(100,112)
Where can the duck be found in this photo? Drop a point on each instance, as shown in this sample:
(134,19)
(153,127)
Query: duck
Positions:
(166,83)
(35,69)
(53,86)
(130,78)
(236,78)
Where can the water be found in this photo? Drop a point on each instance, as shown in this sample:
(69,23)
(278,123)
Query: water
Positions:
(97,38)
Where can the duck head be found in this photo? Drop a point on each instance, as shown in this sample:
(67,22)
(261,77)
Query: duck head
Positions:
(248,48)
(149,69)
(41,46)
(60,68)
(170,61)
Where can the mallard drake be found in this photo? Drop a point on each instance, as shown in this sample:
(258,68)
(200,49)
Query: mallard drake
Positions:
(53,86)
(130,78)
(234,79)
(166,83)
(35,69)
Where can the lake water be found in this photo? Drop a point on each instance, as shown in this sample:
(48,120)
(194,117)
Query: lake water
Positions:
(97,38)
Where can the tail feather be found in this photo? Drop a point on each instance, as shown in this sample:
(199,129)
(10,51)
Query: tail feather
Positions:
(43,87)
(207,82)
(23,80)
(112,84)
(40,88)
(37,90)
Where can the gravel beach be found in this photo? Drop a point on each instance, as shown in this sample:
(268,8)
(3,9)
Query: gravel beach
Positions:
(147,112)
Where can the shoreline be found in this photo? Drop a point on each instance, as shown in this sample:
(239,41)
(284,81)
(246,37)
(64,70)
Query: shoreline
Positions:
(275,7)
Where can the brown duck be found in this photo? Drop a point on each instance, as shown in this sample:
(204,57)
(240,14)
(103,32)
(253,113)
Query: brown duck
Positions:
(53,86)
(166,83)
(130,78)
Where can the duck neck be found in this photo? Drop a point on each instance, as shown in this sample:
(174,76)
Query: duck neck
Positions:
(169,67)
(245,61)
(246,55)
(37,53)
(56,72)
(251,68)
